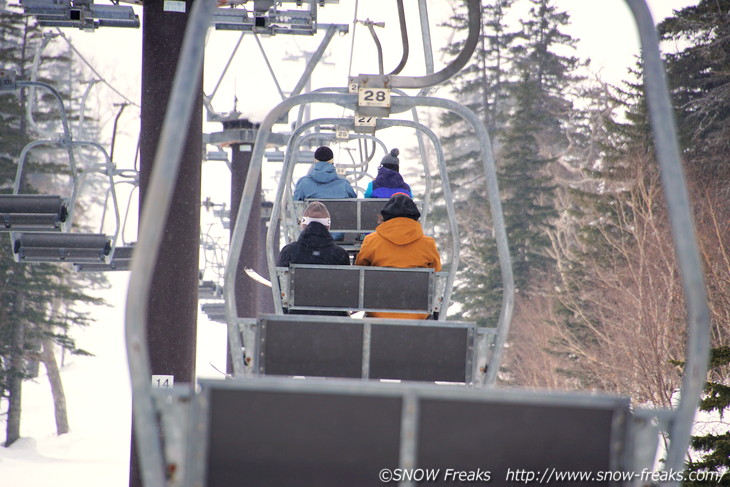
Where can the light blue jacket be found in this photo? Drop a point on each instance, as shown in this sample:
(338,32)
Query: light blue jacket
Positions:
(322,182)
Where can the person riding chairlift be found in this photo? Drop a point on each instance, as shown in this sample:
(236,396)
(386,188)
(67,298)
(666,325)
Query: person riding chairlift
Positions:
(399,242)
(314,246)
(388,181)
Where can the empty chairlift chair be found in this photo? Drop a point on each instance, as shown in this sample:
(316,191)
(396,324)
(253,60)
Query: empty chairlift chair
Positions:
(368,348)
(30,218)
(61,247)
(325,433)
(32,213)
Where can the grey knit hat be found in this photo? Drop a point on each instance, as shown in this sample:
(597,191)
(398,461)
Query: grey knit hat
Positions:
(391,159)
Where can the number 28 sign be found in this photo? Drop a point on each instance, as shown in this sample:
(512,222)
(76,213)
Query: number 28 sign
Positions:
(373,97)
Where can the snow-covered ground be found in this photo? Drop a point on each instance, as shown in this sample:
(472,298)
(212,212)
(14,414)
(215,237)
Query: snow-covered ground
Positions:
(96,451)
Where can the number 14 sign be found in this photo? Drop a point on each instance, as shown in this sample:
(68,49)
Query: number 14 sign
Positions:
(163,381)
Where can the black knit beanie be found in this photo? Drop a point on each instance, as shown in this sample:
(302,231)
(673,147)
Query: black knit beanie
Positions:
(324,154)
(400,205)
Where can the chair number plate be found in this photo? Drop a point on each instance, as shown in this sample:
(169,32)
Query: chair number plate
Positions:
(163,381)
(352,85)
(374,97)
(7,80)
(341,133)
(365,121)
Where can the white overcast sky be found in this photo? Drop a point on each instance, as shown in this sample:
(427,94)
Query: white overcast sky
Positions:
(605,30)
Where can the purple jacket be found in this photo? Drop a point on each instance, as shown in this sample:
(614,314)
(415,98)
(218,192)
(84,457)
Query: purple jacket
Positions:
(387,183)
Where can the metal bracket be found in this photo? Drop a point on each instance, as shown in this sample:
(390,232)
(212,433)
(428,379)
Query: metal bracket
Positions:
(79,13)
(7,80)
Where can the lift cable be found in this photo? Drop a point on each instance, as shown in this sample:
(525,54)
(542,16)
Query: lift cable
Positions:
(209,98)
(101,78)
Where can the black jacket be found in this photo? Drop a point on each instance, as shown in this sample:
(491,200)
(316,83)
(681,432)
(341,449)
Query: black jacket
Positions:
(314,246)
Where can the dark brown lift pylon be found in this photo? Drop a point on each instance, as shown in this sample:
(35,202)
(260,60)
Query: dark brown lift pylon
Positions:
(173,300)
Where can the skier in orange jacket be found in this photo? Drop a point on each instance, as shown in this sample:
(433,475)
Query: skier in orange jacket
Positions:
(399,242)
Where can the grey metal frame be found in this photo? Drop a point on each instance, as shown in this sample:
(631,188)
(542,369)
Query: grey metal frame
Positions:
(298,137)
(399,104)
(419,135)
(65,141)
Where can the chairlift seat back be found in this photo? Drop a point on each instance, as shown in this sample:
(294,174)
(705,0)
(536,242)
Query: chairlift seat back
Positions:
(371,348)
(358,288)
(334,433)
(32,213)
(121,261)
(61,247)
(353,214)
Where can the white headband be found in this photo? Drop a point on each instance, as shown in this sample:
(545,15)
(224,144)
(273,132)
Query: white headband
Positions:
(307,220)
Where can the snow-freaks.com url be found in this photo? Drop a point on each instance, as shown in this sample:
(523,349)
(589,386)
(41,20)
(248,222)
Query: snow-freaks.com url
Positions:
(551,475)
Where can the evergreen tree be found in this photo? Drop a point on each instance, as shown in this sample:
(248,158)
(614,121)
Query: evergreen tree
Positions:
(524,102)
(700,81)
(715,447)
(527,188)
(27,318)
(481,87)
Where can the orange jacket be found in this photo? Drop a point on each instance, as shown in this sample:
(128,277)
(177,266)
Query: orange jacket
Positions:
(399,242)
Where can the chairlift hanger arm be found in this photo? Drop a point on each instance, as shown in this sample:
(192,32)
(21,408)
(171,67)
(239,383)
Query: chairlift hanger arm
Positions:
(685,244)
(114,129)
(474,22)
(82,105)
(404,38)
(30,105)
(371,28)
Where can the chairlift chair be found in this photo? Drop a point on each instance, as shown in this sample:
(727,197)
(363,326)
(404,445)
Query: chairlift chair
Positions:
(32,213)
(21,209)
(122,258)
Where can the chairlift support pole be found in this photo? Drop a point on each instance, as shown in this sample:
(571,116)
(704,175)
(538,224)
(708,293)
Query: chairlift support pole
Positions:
(172,297)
